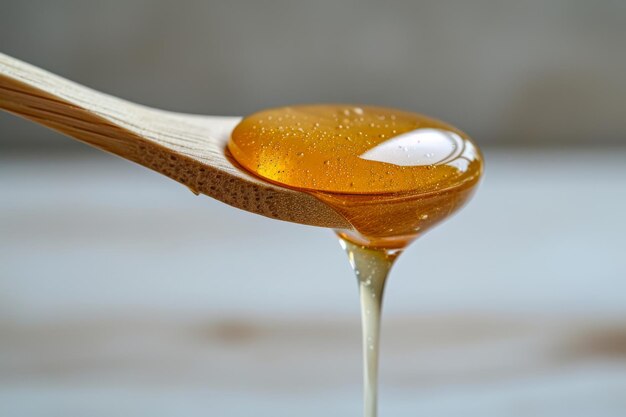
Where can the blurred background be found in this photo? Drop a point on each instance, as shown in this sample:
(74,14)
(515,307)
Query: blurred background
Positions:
(121,293)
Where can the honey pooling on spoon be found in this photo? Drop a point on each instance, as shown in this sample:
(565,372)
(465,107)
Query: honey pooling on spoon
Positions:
(392,174)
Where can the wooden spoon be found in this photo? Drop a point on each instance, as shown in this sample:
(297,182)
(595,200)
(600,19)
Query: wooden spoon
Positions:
(190,149)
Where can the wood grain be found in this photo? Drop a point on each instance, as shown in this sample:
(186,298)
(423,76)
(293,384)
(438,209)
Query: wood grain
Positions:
(190,149)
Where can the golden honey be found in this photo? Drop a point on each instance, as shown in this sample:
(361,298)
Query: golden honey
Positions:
(392,174)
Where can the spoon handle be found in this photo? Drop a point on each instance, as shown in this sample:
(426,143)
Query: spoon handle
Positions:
(151,137)
(187,148)
(65,106)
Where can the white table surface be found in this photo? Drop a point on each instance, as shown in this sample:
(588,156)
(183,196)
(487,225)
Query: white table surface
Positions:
(123,294)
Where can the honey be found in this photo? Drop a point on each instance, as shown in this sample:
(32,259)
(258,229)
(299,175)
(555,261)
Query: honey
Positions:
(392,174)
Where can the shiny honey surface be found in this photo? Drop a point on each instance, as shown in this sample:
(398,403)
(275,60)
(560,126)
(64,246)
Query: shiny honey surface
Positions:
(391,173)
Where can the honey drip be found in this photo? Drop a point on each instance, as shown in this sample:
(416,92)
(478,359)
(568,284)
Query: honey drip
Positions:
(371,267)
(392,174)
